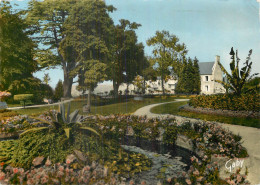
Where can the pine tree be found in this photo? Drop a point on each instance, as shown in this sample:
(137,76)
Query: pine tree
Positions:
(58,93)
(196,77)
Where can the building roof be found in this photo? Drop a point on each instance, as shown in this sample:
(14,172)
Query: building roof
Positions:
(206,68)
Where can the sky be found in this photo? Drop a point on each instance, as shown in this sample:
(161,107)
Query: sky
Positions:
(207,27)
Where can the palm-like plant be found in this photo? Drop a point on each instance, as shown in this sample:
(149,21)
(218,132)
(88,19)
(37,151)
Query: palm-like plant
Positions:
(237,80)
(62,122)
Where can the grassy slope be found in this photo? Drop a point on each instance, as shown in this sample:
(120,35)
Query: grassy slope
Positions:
(172,108)
(102,107)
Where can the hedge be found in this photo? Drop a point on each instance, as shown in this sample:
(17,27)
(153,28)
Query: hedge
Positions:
(23,97)
(248,102)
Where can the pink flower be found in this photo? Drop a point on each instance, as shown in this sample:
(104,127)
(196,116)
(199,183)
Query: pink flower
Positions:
(196,172)
(61,168)
(48,162)
(15,170)
(188,181)
(44,180)
(68,161)
(2,175)
(199,178)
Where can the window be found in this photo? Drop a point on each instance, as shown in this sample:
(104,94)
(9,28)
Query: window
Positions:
(169,86)
(207,88)
(207,78)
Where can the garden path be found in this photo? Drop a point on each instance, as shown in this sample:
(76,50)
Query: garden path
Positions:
(35,106)
(250,138)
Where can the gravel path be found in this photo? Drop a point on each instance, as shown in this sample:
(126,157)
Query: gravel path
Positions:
(250,138)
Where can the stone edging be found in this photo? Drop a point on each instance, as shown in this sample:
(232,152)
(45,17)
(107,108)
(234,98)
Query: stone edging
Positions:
(231,113)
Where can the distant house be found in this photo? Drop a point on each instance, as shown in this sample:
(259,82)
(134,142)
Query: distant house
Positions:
(209,72)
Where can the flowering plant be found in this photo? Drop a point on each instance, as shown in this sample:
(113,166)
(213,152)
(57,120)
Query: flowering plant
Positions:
(4,94)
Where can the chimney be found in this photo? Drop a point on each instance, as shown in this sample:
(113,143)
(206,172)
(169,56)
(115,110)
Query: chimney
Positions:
(217,59)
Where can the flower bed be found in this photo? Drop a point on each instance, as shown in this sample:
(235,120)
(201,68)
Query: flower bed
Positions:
(231,113)
(248,102)
(207,139)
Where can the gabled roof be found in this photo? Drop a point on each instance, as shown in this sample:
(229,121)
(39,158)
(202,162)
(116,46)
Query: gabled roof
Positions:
(206,68)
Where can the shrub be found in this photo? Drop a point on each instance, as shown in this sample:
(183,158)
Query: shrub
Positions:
(58,93)
(249,102)
(23,97)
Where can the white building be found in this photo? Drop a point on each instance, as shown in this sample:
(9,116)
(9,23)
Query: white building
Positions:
(209,72)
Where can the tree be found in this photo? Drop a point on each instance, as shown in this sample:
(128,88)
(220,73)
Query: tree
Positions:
(90,73)
(126,55)
(189,78)
(196,77)
(167,52)
(64,28)
(16,54)
(46,78)
(237,80)
(91,40)
(58,92)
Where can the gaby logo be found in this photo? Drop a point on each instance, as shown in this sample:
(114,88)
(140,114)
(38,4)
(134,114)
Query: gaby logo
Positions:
(231,164)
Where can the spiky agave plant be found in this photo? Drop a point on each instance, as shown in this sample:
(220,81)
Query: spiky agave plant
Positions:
(62,121)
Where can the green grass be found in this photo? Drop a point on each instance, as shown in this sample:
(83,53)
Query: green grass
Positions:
(172,108)
(102,107)
(169,108)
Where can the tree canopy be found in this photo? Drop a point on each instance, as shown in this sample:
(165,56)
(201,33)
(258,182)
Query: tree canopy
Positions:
(167,52)
(17,63)
(126,54)
(72,32)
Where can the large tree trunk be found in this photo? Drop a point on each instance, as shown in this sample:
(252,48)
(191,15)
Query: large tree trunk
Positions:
(67,84)
(115,88)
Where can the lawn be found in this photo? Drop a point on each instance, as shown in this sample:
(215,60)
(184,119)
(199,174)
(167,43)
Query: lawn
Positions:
(173,108)
(102,107)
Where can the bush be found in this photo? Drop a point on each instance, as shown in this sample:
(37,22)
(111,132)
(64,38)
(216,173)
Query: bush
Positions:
(23,97)
(249,102)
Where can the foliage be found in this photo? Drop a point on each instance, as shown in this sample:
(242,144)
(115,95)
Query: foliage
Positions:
(139,83)
(4,94)
(237,80)
(248,102)
(24,98)
(7,149)
(126,54)
(46,91)
(46,78)
(76,33)
(167,52)
(127,164)
(58,92)
(189,78)
(16,53)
